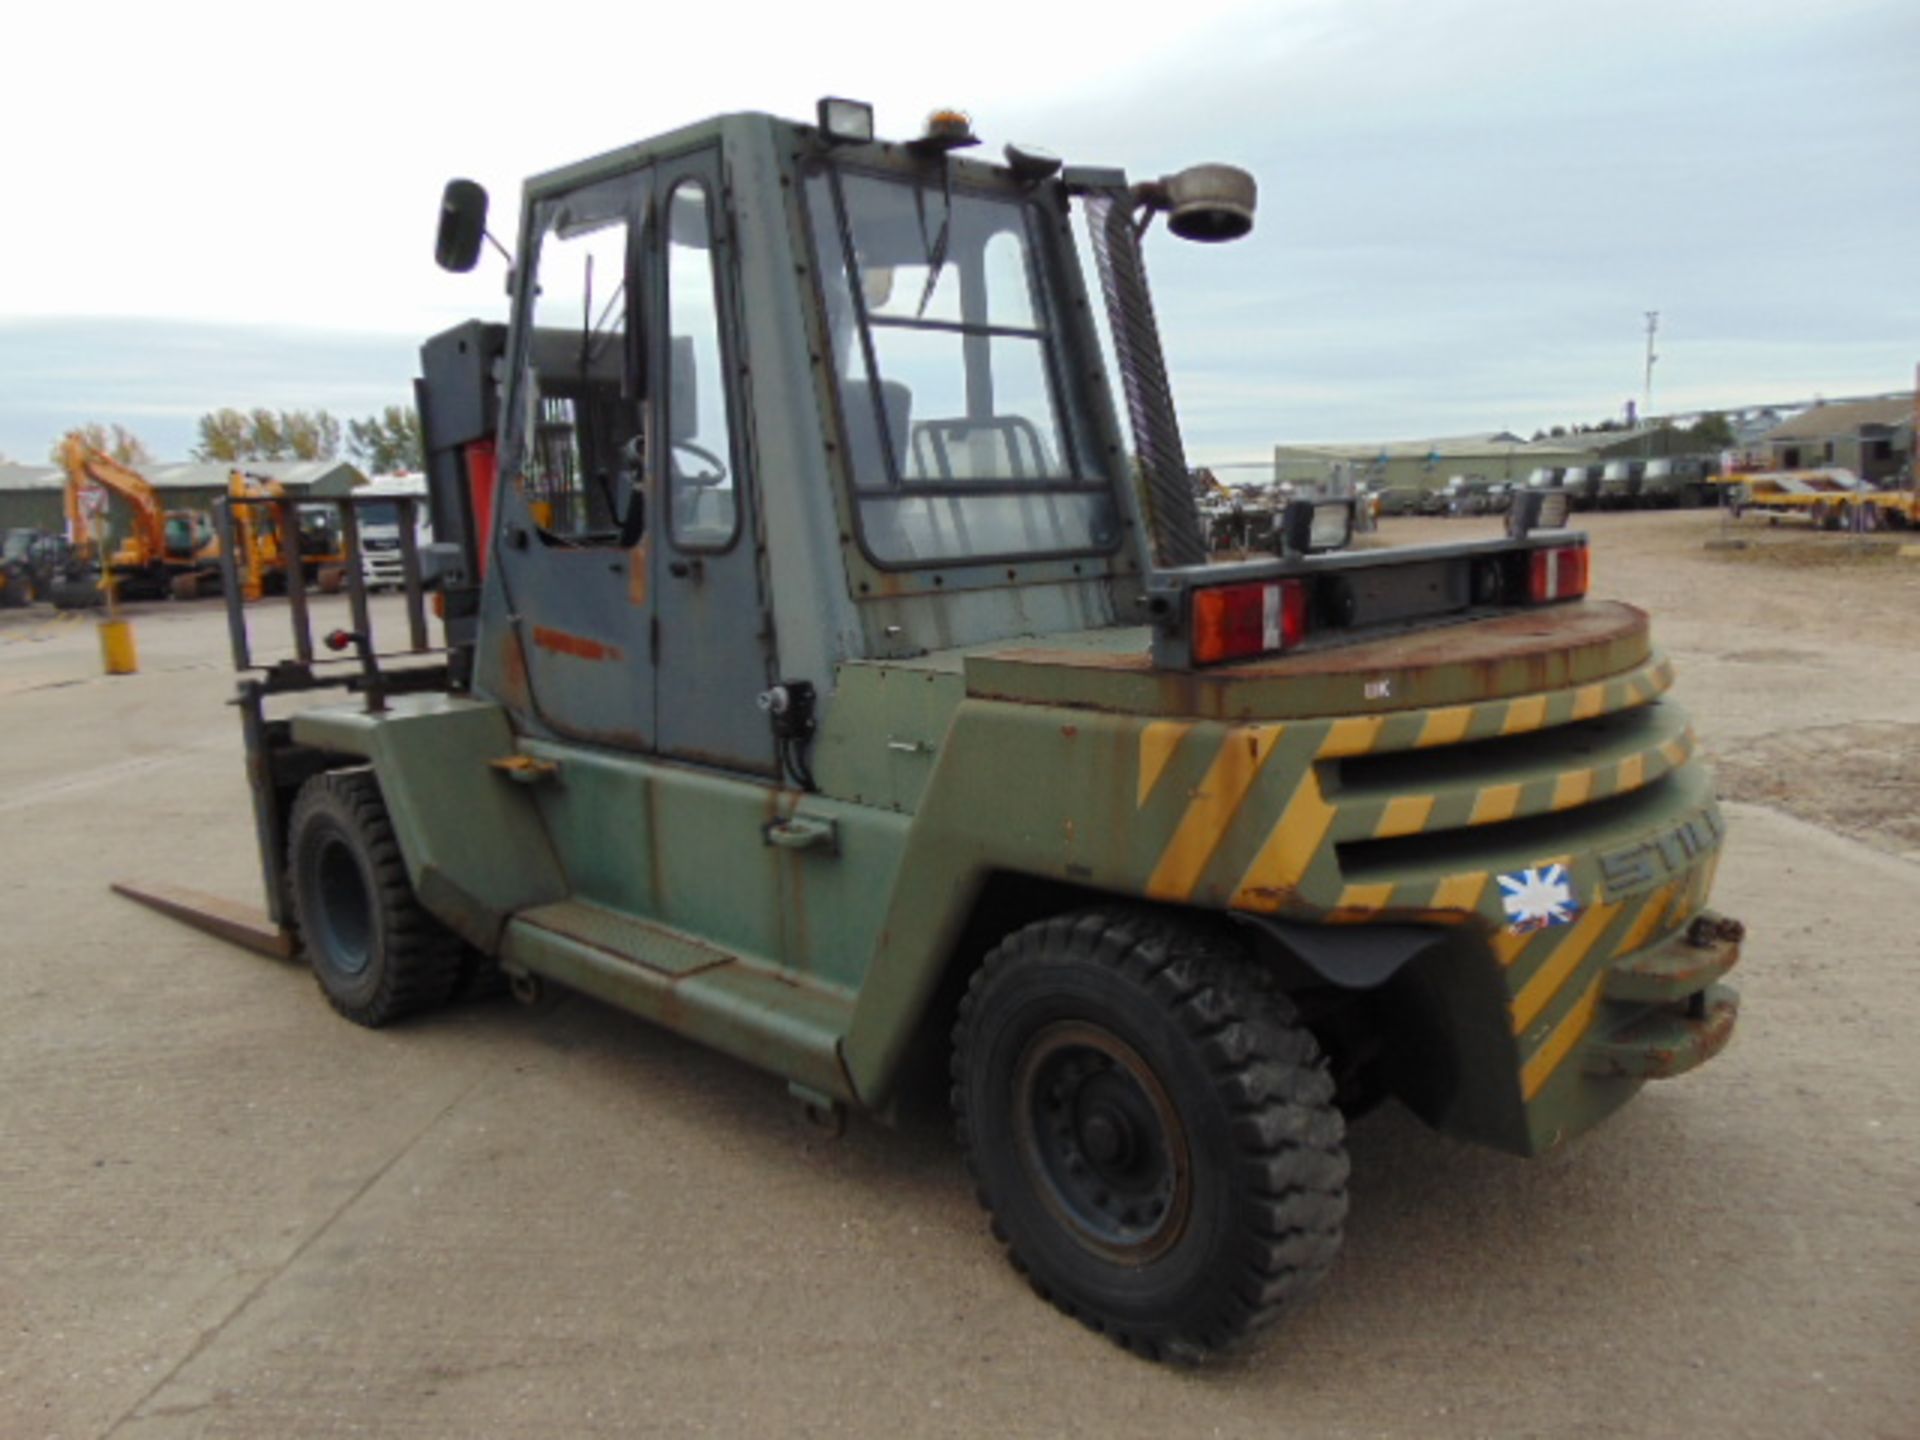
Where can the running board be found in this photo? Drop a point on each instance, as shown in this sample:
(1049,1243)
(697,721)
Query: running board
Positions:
(741,1004)
(238,924)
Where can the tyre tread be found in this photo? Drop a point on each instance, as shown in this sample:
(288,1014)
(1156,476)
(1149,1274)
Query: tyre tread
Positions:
(424,962)
(1267,1073)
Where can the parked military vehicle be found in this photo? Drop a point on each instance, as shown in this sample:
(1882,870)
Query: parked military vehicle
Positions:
(1673,481)
(827,677)
(1619,487)
(1582,484)
(29,561)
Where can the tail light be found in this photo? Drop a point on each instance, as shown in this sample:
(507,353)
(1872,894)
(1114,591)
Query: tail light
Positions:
(1557,574)
(1232,622)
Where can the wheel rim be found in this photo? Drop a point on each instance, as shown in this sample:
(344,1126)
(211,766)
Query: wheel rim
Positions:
(346,909)
(1101,1139)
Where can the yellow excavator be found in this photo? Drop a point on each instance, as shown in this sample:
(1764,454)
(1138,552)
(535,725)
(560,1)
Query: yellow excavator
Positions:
(261,538)
(177,552)
(167,552)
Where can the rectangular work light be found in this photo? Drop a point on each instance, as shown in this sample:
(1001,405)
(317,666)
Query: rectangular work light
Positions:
(846,122)
(1538,510)
(1308,527)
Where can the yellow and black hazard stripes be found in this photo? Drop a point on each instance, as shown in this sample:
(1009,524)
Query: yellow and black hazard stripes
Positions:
(1211,812)
(1274,875)
(1538,1067)
(1574,946)
(1158,740)
(1248,815)
(1448,726)
(1557,977)
(1491,786)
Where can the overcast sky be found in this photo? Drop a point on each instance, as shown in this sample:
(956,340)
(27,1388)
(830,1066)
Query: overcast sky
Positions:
(1465,207)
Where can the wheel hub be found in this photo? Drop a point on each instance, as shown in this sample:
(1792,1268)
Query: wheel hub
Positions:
(1103,1140)
(345,907)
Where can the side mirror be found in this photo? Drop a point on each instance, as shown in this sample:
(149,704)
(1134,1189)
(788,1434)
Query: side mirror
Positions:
(463,226)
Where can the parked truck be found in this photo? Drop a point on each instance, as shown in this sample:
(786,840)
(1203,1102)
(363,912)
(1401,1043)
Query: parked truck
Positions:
(389,503)
(829,677)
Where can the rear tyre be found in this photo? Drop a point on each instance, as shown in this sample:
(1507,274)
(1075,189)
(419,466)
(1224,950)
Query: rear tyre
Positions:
(76,595)
(1151,1128)
(377,954)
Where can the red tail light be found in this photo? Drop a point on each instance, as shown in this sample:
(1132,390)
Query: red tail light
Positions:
(1231,622)
(1557,574)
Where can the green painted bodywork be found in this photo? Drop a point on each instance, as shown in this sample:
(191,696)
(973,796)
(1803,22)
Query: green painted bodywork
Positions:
(474,844)
(992,727)
(664,888)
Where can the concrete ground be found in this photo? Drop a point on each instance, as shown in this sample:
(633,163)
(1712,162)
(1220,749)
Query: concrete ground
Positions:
(224,1212)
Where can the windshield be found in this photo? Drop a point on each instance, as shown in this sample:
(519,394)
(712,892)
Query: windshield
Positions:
(962,445)
(379,512)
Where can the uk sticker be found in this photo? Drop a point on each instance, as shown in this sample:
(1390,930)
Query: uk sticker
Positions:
(1538,899)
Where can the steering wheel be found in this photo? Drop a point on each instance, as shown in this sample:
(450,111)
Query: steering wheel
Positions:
(714,476)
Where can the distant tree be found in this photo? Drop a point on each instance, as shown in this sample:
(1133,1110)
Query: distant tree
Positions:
(388,442)
(229,435)
(1711,432)
(310,434)
(115,440)
(224,435)
(269,440)
(1558,432)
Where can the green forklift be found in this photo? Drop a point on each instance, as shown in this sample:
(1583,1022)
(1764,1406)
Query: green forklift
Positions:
(824,672)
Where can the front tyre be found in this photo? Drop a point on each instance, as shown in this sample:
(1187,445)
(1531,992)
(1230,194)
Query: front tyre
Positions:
(377,954)
(1151,1128)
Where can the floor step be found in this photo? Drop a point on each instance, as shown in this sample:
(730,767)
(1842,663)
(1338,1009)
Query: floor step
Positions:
(632,938)
(736,1003)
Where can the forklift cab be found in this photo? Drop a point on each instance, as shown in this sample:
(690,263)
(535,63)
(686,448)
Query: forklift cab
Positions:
(910,450)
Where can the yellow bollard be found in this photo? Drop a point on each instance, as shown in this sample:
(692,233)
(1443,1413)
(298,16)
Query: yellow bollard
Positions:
(116,647)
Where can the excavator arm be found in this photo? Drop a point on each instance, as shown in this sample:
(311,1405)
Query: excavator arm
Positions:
(85,464)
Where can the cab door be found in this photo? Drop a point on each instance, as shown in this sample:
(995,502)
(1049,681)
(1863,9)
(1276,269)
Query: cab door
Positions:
(569,542)
(714,637)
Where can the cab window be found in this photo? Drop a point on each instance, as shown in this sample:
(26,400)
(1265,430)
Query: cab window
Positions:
(702,498)
(579,421)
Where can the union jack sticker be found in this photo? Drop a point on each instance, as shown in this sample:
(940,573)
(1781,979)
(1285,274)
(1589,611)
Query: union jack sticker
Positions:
(1536,899)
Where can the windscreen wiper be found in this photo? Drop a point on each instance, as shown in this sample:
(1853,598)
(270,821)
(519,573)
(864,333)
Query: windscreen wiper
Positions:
(936,248)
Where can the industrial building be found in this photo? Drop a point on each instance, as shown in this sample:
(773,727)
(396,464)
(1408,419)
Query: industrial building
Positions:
(32,495)
(1426,464)
(1872,438)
